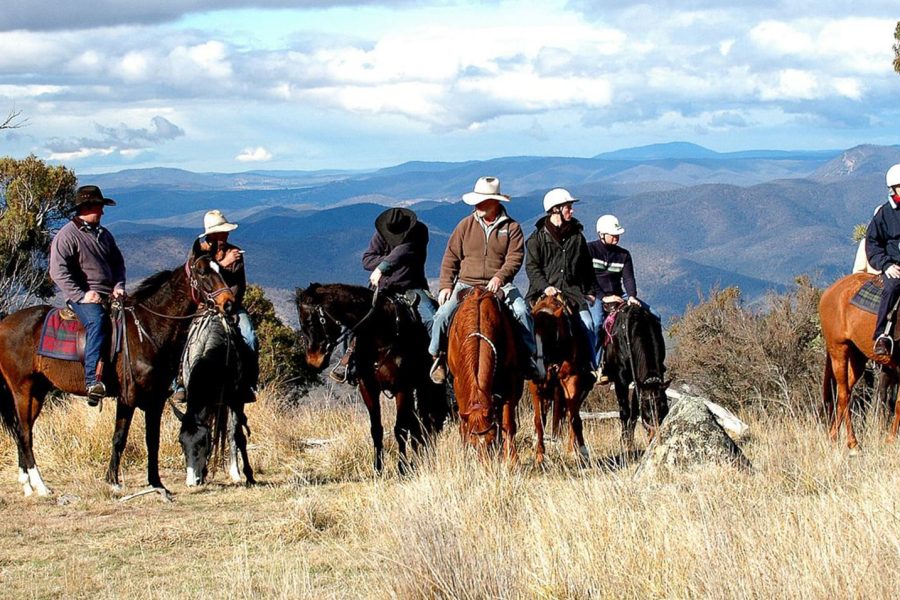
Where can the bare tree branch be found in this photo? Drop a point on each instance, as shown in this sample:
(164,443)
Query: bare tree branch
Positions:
(13,121)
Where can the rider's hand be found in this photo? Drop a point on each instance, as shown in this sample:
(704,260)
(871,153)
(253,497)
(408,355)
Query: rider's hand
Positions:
(633,300)
(444,295)
(375,277)
(494,284)
(551,291)
(892,272)
(231,257)
(118,294)
(91,297)
(612,299)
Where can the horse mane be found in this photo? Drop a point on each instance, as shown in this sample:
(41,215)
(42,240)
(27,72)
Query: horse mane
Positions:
(648,349)
(152,284)
(331,292)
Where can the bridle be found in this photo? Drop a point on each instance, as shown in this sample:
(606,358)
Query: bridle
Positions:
(198,294)
(325,317)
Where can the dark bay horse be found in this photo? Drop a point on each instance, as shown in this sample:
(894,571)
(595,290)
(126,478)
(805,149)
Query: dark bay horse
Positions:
(567,383)
(636,354)
(214,418)
(848,345)
(391,353)
(156,324)
(483,357)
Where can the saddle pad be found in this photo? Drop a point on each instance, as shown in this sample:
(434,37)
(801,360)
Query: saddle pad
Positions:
(868,296)
(59,337)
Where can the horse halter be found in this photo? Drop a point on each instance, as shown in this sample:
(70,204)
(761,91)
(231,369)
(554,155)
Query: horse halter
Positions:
(198,294)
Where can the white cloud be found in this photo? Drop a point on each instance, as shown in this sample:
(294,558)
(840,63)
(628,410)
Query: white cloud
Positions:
(258,154)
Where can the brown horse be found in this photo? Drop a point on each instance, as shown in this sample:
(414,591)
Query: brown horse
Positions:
(483,358)
(567,383)
(156,324)
(848,344)
(391,354)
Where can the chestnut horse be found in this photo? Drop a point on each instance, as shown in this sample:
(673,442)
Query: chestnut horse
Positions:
(156,323)
(391,354)
(567,383)
(636,354)
(482,354)
(848,344)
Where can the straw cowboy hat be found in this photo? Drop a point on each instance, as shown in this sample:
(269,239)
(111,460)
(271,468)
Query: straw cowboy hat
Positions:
(215,222)
(91,194)
(394,224)
(486,188)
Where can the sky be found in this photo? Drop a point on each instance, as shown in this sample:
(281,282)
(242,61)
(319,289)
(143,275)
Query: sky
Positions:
(239,85)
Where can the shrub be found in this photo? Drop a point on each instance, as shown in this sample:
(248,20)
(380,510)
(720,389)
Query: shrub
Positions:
(738,356)
(281,358)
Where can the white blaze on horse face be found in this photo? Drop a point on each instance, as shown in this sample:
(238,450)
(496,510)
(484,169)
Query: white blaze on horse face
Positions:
(34,477)
(191,480)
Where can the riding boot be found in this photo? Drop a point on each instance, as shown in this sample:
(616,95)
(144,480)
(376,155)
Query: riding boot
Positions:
(534,369)
(438,372)
(883,345)
(179,394)
(95,393)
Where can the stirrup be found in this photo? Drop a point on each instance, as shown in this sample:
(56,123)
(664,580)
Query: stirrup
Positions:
(337,375)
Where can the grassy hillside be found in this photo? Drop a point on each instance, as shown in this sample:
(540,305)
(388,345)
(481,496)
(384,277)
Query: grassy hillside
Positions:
(810,522)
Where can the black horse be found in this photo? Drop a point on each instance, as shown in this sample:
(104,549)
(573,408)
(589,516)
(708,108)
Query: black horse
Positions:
(636,354)
(156,324)
(213,374)
(391,353)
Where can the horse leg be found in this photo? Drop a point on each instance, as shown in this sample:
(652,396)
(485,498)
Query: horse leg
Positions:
(124,414)
(557,399)
(575,394)
(28,403)
(626,415)
(238,440)
(370,397)
(403,428)
(509,432)
(152,421)
(847,369)
(537,403)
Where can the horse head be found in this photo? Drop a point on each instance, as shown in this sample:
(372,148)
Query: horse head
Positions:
(207,285)
(196,442)
(319,330)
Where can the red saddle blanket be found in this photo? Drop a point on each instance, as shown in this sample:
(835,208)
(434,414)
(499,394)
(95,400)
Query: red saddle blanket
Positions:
(61,338)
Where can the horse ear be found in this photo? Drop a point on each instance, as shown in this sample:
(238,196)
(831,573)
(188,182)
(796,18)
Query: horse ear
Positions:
(178,414)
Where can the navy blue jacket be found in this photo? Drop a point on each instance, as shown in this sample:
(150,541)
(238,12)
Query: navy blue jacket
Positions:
(613,269)
(403,266)
(883,236)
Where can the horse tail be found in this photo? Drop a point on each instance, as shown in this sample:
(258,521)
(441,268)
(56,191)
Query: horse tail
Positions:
(828,383)
(8,413)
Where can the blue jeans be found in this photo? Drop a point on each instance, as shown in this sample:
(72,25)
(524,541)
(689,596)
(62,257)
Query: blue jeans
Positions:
(247,331)
(587,319)
(425,308)
(511,297)
(95,321)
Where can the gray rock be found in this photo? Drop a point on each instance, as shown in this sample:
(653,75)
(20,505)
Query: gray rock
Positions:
(690,437)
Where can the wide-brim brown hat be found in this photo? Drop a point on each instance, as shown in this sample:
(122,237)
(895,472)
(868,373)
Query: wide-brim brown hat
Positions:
(394,224)
(91,194)
(486,188)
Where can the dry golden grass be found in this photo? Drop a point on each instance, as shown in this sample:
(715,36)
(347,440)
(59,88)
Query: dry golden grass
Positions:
(810,522)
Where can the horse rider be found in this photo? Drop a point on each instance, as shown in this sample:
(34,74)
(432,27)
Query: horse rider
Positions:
(883,250)
(214,242)
(558,262)
(485,249)
(87,266)
(396,257)
(614,281)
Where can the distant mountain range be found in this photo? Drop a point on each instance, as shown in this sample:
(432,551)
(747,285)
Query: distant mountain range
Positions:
(694,218)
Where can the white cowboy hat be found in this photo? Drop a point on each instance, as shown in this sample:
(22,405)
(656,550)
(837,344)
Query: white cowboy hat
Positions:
(215,222)
(486,188)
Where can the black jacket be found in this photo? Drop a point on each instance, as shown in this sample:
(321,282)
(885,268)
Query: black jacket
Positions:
(403,266)
(565,264)
(613,269)
(883,236)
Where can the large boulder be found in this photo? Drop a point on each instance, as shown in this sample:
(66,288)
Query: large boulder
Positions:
(690,437)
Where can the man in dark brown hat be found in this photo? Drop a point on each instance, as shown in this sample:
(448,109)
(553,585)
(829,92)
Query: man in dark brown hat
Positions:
(87,266)
(396,256)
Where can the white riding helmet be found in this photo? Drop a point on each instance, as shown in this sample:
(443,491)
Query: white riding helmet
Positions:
(609,224)
(892,177)
(557,196)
